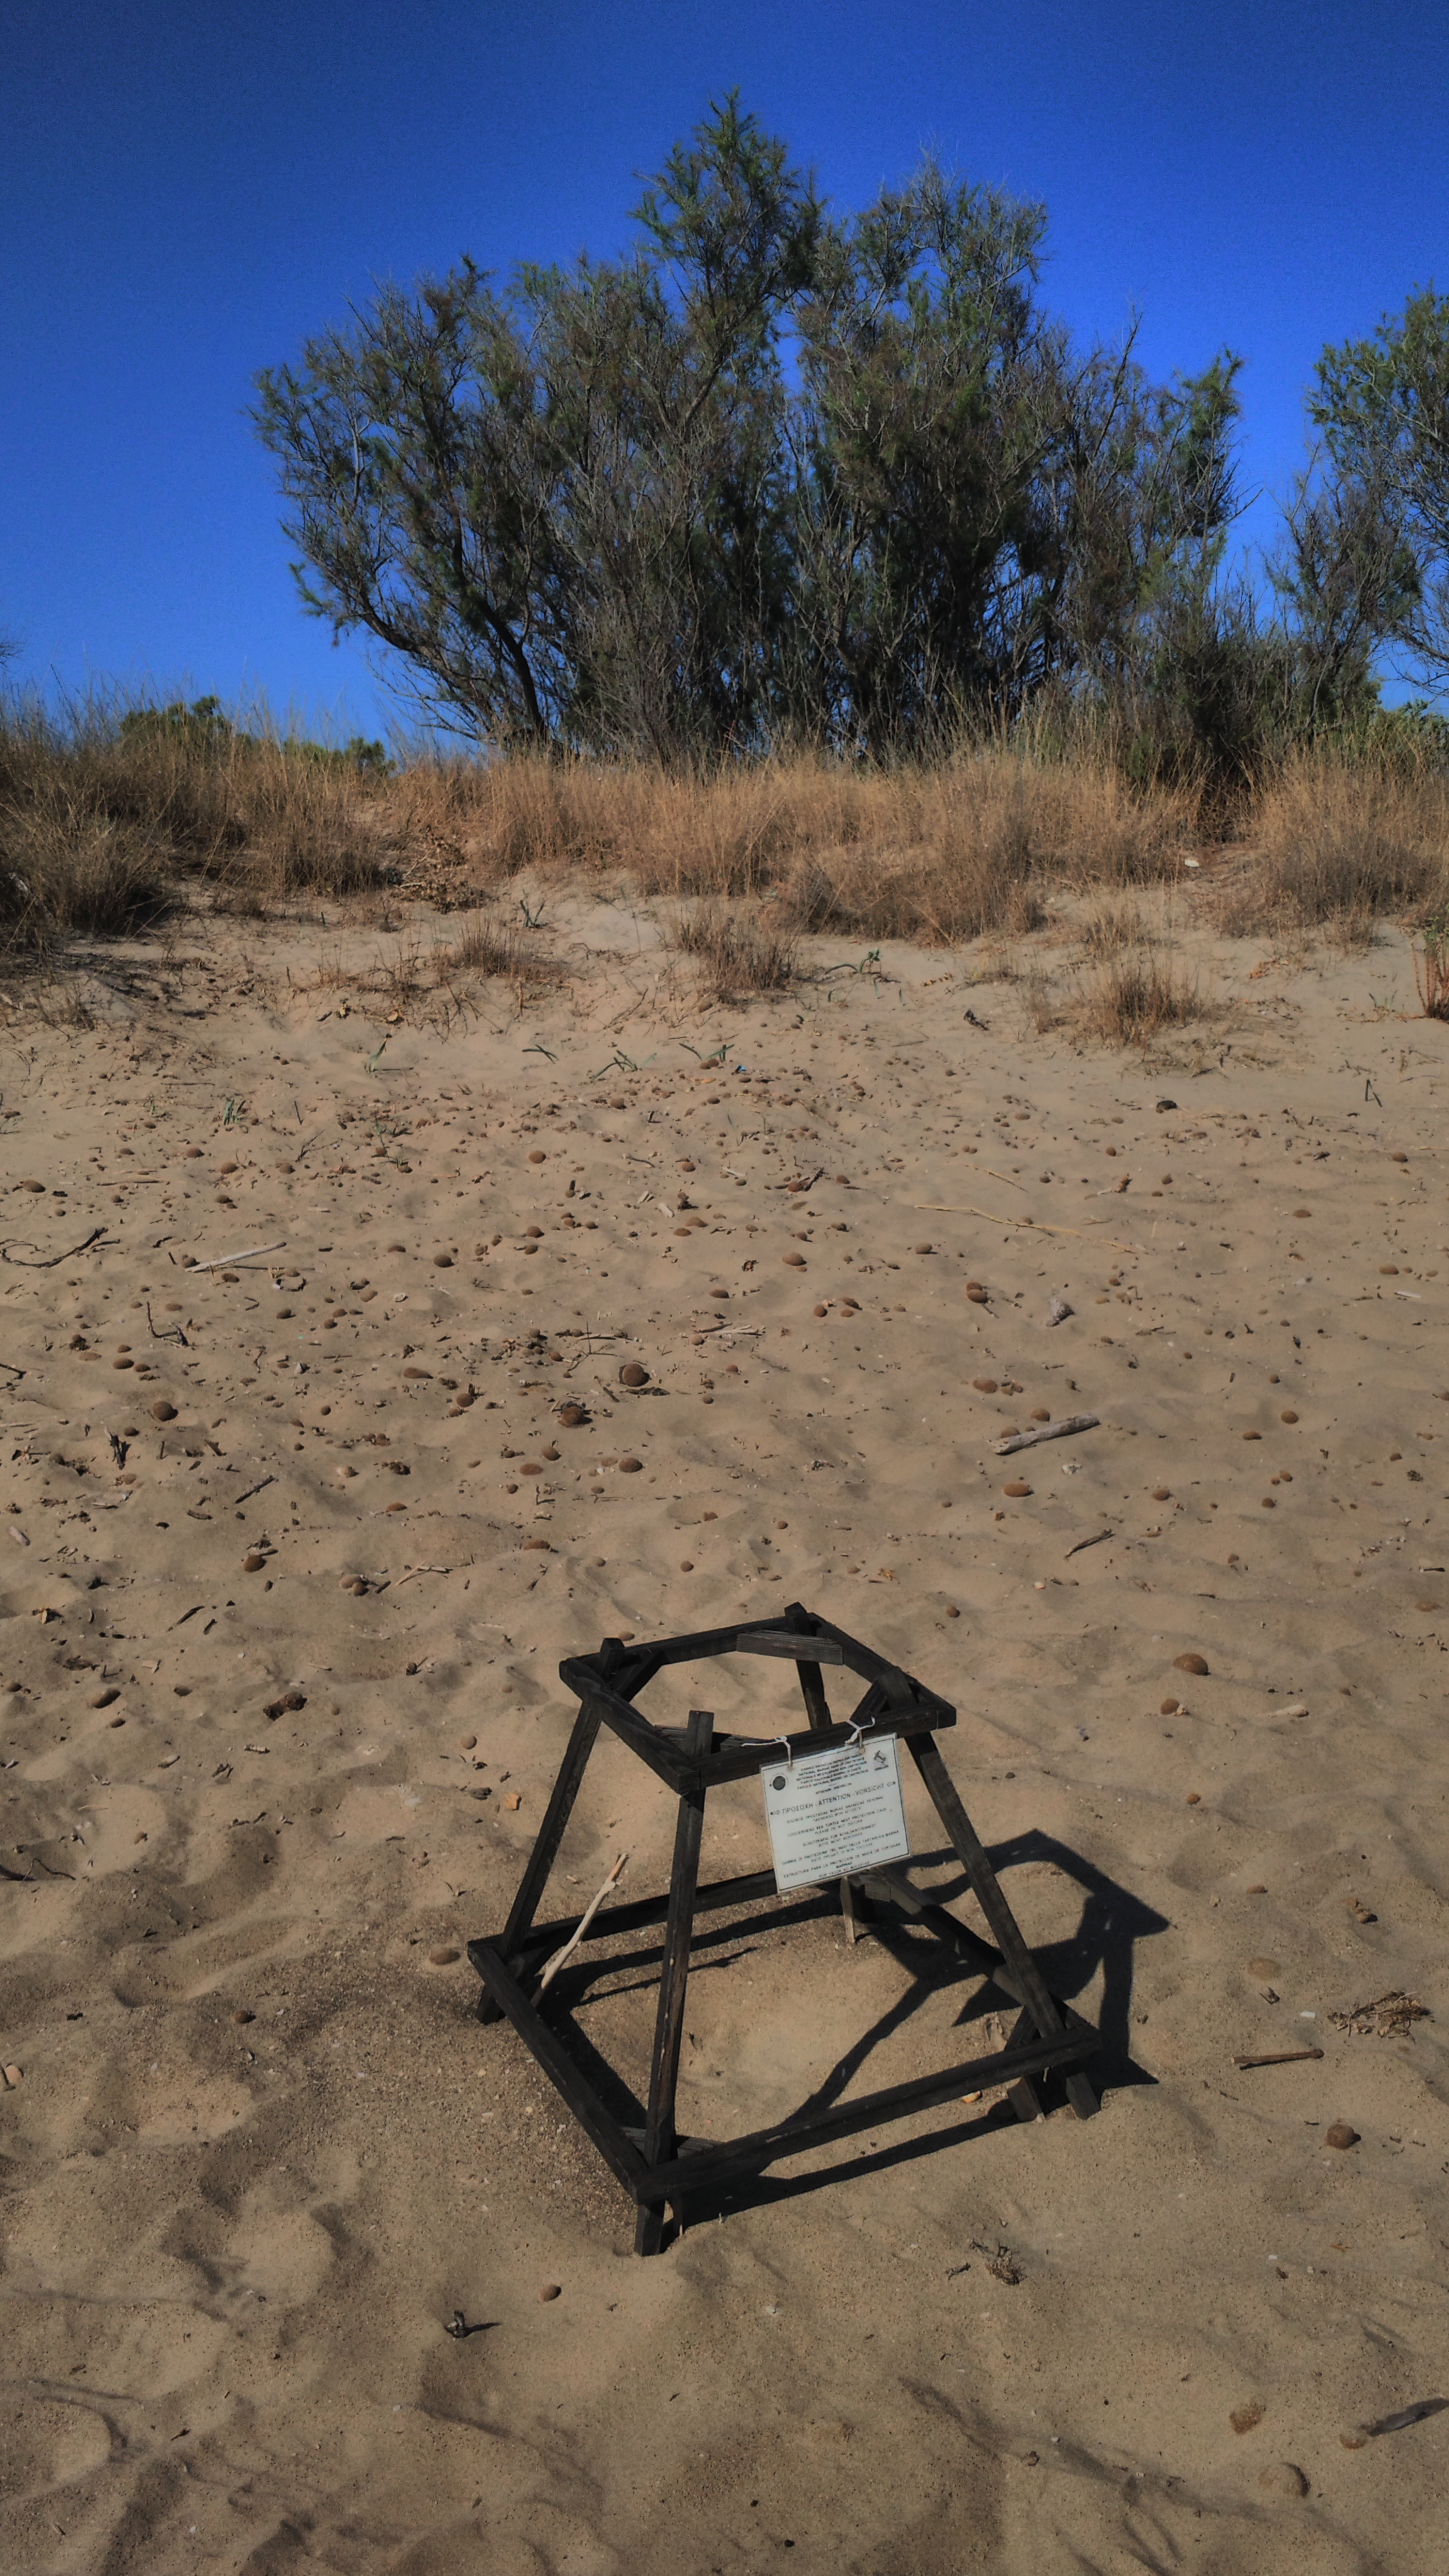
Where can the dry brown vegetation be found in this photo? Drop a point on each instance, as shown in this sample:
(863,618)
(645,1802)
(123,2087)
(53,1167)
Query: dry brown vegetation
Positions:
(735,954)
(101,828)
(1136,996)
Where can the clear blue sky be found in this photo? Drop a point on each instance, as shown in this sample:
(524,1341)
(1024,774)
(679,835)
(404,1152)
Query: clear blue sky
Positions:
(188,191)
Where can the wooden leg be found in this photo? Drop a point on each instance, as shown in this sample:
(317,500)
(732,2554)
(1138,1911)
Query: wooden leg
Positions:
(545,1851)
(812,1691)
(985,1886)
(847,1908)
(659,2135)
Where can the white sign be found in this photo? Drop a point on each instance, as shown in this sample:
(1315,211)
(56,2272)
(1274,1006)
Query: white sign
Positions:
(832,1813)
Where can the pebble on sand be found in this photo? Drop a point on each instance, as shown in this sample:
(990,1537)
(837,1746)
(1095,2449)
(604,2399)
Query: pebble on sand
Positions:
(468,1742)
(538,1155)
(252,1562)
(1340,2135)
(1252,1435)
(1244,2417)
(550,2290)
(442,1261)
(1017,1491)
(512,1800)
(976,1292)
(161,1411)
(1189,1663)
(1161,1494)
(631,1374)
(1288,1416)
(985,1385)
(103,1698)
(1169,1708)
(444,1958)
(794,1260)
(242,2016)
(572,1416)
(14,2074)
(630,1466)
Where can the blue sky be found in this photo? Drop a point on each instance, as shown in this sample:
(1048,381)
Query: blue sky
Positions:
(188,192)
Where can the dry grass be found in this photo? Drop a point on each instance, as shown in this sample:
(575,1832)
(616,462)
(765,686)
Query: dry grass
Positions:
(939,854)
(102,822)
(98,828)
(735,955)
(1336,848)
(1431,967)
(1135,997)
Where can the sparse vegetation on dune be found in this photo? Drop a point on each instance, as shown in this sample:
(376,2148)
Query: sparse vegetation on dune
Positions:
(108,820)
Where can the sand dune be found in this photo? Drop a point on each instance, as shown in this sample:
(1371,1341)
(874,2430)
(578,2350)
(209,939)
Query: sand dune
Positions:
(292,1549)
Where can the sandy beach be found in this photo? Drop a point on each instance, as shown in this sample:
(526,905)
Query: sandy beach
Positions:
(318,1457)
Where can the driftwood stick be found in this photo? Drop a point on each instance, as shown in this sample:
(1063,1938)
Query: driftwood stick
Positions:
(228,1259)
(560,1957)
(1280,2057)
(1046,1431)
(1094,1541)
(21,1263)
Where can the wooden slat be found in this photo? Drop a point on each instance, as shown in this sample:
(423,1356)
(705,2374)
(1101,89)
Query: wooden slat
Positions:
(702,2167)
(617,2150)
(985,1885)
(674,1981)
(787,1643)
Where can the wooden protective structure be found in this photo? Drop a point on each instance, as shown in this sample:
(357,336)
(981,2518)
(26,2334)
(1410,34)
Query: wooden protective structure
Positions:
(655,2167)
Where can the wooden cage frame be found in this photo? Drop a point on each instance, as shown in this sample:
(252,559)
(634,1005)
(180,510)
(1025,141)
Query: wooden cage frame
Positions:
(655,2167)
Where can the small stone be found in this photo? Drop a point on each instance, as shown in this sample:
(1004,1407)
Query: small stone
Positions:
(468,1742)
(794,1260)
(1041,1414)
(442,1261)
(1398,1158)
(1244,2417)
(1283,2477)
(103,1698)
(1017,1491)
(538,1155)
(115,1721)
(573,1416)
(976,1292)
(984,1385)
(252,1562)
(512,1799)
(550,2290)
(631,1374)
(14,2074)
(444,1958)
(630,1466)
(819,1312)
(1189,1663)
(1194,1797)
(537,1544)
(123,1364)
(1169,1708)
(1288,1416)
(923,1247)
(225,1170)
(1388,1269)
(161,1411)
(951,1610)
(241,2016)
(686,1565)
(1340,2135)
(1252,1435)
(1161,1494)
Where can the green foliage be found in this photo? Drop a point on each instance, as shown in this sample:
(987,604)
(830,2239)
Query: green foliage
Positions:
(1382,406)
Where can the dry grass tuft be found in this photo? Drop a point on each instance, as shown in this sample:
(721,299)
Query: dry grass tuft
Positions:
(1136,996)
(735,955)
(1335,847)
(1431,967)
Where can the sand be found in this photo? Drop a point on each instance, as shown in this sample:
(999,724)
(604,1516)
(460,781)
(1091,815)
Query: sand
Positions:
(291,1549)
